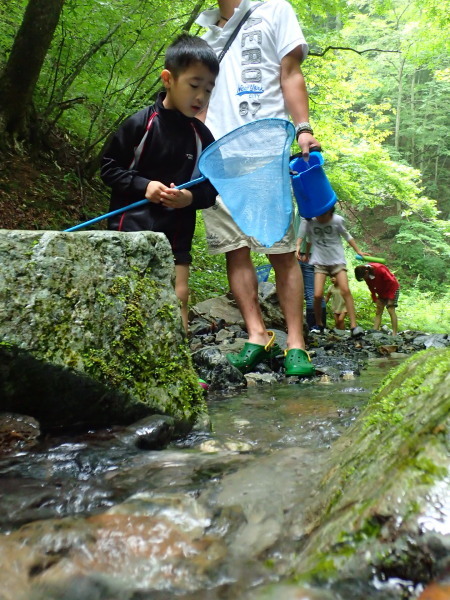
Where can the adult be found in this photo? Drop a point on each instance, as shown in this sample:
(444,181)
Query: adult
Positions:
(385,291)
(260,77)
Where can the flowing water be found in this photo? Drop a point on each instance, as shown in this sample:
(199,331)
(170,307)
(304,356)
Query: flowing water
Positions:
(214,515)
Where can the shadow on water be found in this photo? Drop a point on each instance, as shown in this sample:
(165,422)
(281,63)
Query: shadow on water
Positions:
(231,497)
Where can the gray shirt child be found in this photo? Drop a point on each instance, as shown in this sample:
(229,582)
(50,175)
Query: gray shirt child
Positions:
(327,248)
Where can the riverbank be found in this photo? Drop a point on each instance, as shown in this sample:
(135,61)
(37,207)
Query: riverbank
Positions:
(216,328)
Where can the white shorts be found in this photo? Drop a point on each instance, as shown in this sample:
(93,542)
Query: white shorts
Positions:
(223,235)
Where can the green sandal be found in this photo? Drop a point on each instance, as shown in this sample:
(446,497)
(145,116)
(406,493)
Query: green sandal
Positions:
(297,362)
(252,354)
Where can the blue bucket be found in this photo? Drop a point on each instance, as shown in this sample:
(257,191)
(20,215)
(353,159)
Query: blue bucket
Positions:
(312,190)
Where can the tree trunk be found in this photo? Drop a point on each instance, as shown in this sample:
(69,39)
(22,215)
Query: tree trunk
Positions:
(20,75)
(399,103)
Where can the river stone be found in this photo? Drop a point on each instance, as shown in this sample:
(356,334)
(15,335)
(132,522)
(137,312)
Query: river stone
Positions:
(90,329)
(384,505)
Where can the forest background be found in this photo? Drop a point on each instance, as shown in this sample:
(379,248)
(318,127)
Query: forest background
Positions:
(378,77)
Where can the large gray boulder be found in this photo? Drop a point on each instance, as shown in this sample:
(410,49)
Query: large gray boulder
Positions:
(90,329)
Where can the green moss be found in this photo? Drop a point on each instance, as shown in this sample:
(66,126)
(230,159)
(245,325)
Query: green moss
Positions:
(429,471)
(164,372)
(324,569)
(386,408)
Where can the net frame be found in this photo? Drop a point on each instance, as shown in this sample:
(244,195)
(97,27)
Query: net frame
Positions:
(249,167)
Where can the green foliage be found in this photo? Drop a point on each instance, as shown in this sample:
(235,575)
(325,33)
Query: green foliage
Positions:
(378,103)
(422,249)
(364,175)
(208,275)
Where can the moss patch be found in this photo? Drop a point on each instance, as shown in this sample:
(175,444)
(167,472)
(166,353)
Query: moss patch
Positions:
(162,374)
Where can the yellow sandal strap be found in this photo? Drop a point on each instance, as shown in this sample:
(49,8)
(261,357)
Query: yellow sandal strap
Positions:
(271,342)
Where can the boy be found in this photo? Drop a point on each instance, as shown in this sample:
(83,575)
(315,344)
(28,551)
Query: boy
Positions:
(385,290)
(157,148)
(337,303)
(328,258)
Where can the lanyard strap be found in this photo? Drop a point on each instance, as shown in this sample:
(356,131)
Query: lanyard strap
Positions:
(232,37)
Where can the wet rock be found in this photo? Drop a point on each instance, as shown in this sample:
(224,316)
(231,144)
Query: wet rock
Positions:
(291,592)
(225,445)
(140,544)
(260,379)
(327,374)
(17,432)
(435,340)
(224,334)
(151,433)
(214,368)
(336,366)
(220,307)
(436,591)
(200,326)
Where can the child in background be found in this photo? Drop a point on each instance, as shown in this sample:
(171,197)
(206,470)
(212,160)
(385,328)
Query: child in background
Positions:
(337,303)
(385,291)
(328,258)
(158,148)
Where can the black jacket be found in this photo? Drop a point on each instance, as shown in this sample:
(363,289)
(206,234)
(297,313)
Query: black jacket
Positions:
(169,154)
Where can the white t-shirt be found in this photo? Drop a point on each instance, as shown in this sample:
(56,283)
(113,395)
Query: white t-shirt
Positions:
(248,85)
(327,248)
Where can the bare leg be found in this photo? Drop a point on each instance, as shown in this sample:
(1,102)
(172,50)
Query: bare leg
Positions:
(393,315)
(342,281)
(182,291)
(244,286)
(339,320)
(378,314)
(319,285)
(289,281)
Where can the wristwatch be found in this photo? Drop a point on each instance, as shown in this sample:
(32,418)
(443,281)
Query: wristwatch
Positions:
(302,127)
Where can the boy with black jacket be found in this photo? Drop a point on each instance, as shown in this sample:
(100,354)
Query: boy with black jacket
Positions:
(157,149)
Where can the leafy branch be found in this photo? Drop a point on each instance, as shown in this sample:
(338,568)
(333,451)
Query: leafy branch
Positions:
(351,50)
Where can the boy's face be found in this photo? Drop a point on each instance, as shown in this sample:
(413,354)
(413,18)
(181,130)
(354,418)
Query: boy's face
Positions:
(325,217)
(190,91)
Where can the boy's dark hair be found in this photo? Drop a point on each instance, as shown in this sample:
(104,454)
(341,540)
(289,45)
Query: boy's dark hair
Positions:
(360,271)
(330,210)
(187,50)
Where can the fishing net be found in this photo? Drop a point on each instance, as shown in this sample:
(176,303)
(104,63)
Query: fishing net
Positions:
(249,167)
(263,272)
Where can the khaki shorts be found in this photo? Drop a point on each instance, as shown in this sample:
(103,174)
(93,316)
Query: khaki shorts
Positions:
(223,235)
(330,269)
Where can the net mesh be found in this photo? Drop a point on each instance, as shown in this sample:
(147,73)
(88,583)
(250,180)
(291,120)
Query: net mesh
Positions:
(249,167)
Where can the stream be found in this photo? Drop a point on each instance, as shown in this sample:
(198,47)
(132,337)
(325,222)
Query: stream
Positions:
(214,515)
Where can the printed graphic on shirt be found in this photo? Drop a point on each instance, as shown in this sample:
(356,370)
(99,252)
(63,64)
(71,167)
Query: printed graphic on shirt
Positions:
(250,87)
(322,233)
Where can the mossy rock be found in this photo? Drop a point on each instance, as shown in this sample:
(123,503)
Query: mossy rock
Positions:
(388,474)
(97,312)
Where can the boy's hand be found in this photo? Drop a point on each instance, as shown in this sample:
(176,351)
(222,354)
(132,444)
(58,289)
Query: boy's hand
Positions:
(158,193)
(154,191)
(173,198)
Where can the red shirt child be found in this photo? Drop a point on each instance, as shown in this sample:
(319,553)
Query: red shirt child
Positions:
(381,282)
